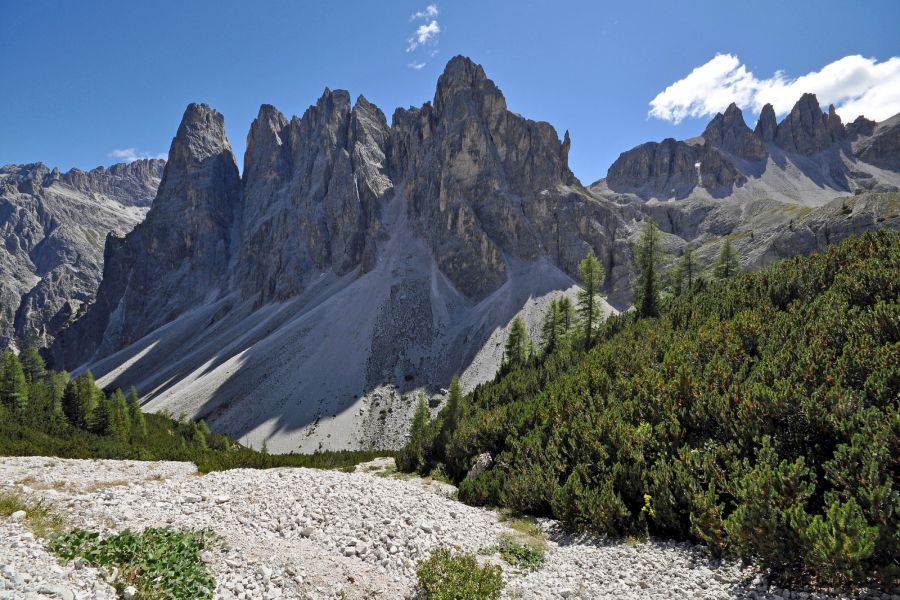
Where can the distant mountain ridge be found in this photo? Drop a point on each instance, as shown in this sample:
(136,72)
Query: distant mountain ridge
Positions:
(53,226)
(806,158)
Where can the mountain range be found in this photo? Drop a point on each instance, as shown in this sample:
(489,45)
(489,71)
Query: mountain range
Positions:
(303,300)
(54,226)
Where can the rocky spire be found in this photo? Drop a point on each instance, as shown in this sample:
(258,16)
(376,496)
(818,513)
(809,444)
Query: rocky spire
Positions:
(729,132)
(179,256)
(807,130)
(766,126)
(312,189)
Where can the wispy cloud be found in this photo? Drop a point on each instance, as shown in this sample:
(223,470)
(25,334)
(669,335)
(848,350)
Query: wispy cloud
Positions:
(430,12)
(854,84)
(426,35)
(133,154)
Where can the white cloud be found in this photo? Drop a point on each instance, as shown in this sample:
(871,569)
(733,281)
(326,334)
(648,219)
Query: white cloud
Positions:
(133,154)
(416,66)
(854,84)
(430,12)
(425,34)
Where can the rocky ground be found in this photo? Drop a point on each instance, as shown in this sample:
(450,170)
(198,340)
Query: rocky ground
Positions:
(301,533)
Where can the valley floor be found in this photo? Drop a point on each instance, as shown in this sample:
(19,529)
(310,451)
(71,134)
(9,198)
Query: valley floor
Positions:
(303,533)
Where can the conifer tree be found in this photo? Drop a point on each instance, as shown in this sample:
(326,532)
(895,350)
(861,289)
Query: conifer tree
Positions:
(516,353)
(13,385)
(412,457)
(101,419)
(32,364)
(136,415)
(565,314)
(676,280)
(646,291)
(728,264)
(550,330)
(687,268)
(198,438)
(119,416)
(80,399)
(454,405)
(591,272)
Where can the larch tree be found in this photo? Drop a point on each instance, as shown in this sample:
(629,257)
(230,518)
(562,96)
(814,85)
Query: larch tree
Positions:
(13,385)
(728,264)
(80,399)
(687,268)
(135,414)
(565,314)
(516,352)
(32,364)
(550,329)
(646,289)
(591,273)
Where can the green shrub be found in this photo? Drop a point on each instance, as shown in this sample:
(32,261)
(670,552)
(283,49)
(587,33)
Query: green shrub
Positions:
(839,543)
(758,415)
(160,563)
(528,556)
(448,576)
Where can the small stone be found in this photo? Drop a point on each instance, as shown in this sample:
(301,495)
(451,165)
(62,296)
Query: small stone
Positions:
(57,591)
(129,592)
(18,516)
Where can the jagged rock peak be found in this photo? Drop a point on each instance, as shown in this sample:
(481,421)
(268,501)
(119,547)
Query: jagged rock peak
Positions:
(860,127)
(463,78)
(201,132)
(807,130)
(729,132)
(766,126)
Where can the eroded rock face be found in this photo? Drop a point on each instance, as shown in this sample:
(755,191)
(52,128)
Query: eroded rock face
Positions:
(807,130)
(178,257)
(767,125)
(882,147)
(729,132)
(480,185)
(52,227)
(468,167)
(312,189)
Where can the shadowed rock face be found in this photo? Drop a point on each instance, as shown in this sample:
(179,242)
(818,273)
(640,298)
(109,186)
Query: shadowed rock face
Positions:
(178,257)
(312,188)
(52,227)
(807,130)
(729,132)
(480,186)
(469,167)
(882,146)
(767,125)
(729,155)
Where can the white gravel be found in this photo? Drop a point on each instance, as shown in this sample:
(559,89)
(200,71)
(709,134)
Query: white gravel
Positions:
(303,533)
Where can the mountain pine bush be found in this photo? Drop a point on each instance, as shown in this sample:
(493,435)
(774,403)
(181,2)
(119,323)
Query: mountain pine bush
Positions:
(757,414)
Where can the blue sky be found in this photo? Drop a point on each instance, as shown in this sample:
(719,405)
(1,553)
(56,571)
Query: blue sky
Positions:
(84,82)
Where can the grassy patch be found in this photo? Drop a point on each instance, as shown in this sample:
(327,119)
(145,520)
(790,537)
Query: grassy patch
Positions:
(449,576)
(40,518)
(517,554)
(160,563)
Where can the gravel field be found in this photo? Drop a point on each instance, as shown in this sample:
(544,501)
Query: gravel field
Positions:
(303,533)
